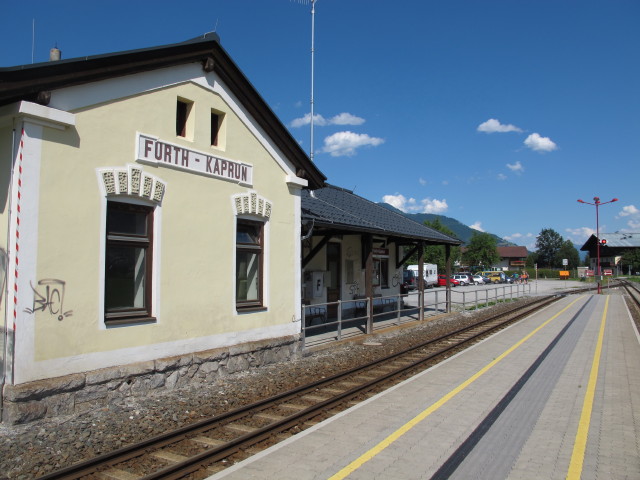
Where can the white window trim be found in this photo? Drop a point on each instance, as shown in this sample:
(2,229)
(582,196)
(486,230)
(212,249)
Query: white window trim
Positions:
(266,264)
(157,253)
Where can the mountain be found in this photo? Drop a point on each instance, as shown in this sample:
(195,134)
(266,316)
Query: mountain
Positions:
(460,230)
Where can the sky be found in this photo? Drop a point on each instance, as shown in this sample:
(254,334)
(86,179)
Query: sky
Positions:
(500,114)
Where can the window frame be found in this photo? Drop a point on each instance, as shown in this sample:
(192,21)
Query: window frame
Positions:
(259,248)
(119,239)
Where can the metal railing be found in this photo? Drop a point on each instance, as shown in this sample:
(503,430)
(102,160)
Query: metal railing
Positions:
(461,300)
(334,321)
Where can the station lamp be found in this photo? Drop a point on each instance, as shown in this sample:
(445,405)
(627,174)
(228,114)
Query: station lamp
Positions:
(597,203)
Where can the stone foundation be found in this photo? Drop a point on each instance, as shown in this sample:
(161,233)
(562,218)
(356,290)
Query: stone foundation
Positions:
(81,392)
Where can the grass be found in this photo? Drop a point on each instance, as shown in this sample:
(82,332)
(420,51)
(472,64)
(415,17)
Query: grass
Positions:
(492,303)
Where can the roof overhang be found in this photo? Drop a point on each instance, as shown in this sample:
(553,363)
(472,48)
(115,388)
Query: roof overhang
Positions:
(34,83)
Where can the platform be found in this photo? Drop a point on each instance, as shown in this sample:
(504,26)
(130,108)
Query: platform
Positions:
(555,396)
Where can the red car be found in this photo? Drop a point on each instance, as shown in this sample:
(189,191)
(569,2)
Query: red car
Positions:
(442,281)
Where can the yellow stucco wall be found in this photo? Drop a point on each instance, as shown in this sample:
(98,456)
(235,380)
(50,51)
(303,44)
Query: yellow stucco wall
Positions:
(196,244)
(5,179)
(6,161)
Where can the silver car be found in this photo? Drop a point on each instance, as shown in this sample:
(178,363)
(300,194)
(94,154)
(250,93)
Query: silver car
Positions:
(463,279)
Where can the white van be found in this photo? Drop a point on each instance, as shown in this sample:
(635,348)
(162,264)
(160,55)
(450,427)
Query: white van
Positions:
(430,271)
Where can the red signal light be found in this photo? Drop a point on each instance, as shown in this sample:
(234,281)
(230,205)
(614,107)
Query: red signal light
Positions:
(603,241)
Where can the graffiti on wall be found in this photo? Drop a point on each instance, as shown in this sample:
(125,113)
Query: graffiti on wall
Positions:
(48,297)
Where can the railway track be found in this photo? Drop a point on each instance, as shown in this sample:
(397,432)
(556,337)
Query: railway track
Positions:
(633,294)
(208,446)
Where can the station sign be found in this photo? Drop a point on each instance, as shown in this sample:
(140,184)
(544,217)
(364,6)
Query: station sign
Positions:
(154,151)
(590,273)
(607,271)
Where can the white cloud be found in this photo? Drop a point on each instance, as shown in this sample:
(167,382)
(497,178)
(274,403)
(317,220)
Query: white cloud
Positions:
(634,225)
(345,143)
(422,181)
(399,201)
(445,182)
(580,234)
(629,210)
(318,120)
(527,240)
(516,167)
(477,226)
(434,206)
(540,144)
(411,205)
(346,119)
(502,176)
(306,120)
(493,125)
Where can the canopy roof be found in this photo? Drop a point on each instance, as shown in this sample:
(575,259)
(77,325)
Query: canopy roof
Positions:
(342,212)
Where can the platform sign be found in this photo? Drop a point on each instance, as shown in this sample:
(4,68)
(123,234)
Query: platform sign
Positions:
(564,274)
(608,272)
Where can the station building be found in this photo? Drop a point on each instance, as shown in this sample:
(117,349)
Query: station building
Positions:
(150,209)
(613,246)
(151,230)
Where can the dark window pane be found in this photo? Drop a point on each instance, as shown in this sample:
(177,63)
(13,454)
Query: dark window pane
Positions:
(126,221)
(182,111)
(248,234)
(247,276)
(125,277)
(215,127)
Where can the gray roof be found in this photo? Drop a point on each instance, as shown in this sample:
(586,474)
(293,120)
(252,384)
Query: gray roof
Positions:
(34,83)
(342,210)
(614,240)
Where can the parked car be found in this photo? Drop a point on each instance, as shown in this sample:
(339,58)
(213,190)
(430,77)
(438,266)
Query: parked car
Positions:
(442,281)
(409,281)
(480,280)
(498,277)
(463,279)
(469,277)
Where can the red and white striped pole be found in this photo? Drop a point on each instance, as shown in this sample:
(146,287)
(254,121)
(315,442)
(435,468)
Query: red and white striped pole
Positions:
(17,245)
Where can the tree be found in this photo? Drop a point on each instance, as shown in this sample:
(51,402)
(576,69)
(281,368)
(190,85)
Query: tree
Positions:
(481,251)
(568,251)
(436,253)
(548,244)
(631,259)
(532,259)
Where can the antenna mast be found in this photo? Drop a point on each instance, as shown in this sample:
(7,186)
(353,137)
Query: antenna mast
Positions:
(313,21)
